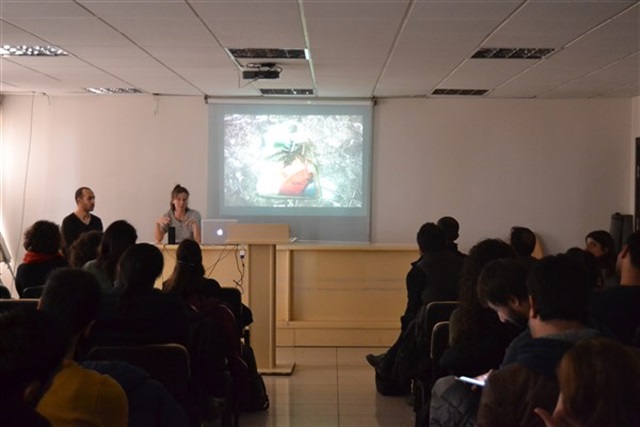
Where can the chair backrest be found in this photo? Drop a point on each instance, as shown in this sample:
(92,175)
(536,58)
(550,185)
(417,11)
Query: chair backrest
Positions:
(439,339)
(233,299)
(439,311)
(167,363)
(11,304)
(33,292)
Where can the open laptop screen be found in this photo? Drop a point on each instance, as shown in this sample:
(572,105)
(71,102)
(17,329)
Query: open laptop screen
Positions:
(215,232)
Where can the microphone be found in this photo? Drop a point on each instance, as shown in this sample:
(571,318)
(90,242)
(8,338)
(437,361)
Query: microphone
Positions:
(172,235)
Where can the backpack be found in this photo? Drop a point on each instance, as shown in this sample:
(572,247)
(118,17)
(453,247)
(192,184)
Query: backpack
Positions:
(257,398)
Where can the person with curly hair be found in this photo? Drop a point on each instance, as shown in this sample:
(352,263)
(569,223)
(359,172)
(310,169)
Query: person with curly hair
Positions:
(85,248)
(42,241)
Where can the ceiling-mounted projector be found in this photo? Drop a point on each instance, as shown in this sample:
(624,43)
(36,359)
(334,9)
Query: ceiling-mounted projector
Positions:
(261,71)
(260,74)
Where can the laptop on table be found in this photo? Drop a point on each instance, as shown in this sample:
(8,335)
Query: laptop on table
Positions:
(215,231)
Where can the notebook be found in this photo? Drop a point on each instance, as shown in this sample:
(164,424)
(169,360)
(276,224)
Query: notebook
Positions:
(215,231)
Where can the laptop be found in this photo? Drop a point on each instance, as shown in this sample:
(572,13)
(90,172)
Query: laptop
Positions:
(215,231)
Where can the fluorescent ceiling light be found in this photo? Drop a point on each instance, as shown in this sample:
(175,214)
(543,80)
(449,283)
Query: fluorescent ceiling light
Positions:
(113,90)
(7,50)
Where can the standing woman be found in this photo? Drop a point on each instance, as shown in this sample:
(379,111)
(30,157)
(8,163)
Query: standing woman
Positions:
(185,221)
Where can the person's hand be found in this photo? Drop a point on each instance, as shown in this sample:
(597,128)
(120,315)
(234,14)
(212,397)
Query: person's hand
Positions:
(557,419)
(162,221)
(483,377)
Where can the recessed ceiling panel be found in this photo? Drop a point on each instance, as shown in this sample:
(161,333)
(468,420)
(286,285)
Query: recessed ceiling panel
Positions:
(553,23)
(69,32)
(269,24)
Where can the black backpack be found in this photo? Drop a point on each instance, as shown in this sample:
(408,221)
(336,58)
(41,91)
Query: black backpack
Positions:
(257,398)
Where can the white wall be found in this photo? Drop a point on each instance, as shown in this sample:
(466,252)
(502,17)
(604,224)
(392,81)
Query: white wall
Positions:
(560,167)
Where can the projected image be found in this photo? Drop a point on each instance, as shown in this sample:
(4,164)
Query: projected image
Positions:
(293,161)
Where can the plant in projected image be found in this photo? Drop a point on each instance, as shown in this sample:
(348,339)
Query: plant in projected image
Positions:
(299,171)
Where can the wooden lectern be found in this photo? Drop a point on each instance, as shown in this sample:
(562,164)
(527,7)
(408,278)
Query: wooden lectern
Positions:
(261,241)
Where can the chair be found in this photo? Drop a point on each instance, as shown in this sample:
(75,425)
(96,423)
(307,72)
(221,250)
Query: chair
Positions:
(438,311)
(439,340)
(33,292)
(435,312)
(167,363)
(11,304)
(232,297)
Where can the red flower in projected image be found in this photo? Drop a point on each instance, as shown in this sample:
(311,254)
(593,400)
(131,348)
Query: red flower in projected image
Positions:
(296,184)
(299,171)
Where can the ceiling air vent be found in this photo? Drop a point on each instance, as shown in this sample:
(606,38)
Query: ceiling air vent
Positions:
(460,92)
(113,90)
(512,53)
(268,53)
(295,92)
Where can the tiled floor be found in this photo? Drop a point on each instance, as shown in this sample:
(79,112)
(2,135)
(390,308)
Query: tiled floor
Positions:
(330,387)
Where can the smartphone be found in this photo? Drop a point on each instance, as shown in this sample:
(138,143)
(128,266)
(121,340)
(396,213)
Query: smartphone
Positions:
(479,381)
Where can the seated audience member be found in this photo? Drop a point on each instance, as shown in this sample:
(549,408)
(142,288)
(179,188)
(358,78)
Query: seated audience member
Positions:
(117,238)
(79,396)
(601,244)
(433,277)
(135,313)
(451,230)
(523,242)
(616,310)
(31,350)
(590,263)
(84,249)
(599,386)
(42,242)
(200,295)
(502,286)
(477,337)
(559,311)
(188,277)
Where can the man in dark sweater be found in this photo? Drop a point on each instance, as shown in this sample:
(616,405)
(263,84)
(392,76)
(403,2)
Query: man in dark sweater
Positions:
(81,220)
(615,310)
(559,311)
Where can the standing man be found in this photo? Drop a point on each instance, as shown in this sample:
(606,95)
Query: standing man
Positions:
(81,220)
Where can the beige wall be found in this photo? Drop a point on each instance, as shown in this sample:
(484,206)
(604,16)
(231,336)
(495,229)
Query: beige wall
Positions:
(560,167)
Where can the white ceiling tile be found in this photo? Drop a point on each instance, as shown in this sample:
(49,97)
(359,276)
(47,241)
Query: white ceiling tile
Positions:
(553,23)
(358,48)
